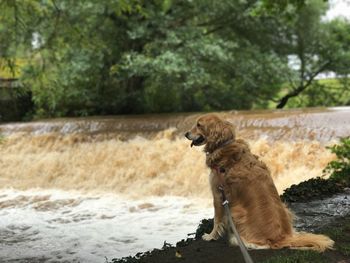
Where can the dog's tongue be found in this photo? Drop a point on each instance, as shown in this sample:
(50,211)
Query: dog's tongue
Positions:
(192,144)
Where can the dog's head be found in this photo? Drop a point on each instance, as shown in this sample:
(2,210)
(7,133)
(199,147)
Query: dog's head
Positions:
(211,130)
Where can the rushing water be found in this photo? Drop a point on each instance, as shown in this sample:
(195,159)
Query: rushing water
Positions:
(82,189)
(54,225)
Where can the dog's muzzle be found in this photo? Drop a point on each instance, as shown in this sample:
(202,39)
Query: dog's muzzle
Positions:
(195,141)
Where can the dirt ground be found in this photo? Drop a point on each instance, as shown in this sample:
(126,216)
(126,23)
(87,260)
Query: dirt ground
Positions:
(199,251)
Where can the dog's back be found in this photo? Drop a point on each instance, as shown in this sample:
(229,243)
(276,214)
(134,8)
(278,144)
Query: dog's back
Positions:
(261,217)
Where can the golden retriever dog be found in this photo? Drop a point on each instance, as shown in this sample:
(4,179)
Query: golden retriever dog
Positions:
(261,218)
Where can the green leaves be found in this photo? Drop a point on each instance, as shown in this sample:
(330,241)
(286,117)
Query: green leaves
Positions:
(340,168)
(134,56)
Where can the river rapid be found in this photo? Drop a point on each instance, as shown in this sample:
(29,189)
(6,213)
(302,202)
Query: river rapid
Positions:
(86,189)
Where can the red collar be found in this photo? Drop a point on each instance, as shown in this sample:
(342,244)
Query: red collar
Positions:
(220,172)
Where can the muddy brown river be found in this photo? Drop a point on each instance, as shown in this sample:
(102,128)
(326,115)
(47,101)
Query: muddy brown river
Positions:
(82,189)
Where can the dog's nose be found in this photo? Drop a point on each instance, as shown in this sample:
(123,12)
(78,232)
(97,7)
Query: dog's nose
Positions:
(187,134)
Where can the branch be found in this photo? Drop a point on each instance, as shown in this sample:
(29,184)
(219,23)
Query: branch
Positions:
(292,83)
(301,87)
(213,30)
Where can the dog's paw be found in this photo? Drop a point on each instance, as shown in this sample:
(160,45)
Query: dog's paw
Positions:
(208,237)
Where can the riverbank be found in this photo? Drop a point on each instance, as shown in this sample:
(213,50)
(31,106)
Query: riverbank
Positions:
(219,251)
(335,223)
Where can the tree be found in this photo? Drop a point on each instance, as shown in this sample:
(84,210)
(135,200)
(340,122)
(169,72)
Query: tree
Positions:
(317,47)
(134,56)
(77,43)
(200,67)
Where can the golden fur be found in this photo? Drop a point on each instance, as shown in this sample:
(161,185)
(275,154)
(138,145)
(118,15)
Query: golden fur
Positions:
(262,220)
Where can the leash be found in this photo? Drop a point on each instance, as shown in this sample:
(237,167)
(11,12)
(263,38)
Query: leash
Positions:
(225,204)
(243,248)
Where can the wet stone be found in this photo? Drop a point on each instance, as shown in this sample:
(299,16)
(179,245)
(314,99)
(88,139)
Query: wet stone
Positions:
(313,215)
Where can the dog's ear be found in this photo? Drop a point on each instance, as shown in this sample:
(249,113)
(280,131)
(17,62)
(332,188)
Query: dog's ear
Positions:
(228,131)
(222,131)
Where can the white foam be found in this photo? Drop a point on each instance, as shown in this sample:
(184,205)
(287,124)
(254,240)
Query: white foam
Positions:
(60,225)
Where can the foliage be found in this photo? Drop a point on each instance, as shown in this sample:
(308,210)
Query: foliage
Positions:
(273,7)
(339,171)
(11,68)
(134,56)
(317,47)
(340,168)
(323,92)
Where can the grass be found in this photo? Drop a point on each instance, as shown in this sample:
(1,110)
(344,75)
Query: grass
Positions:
(298,256)
(339,231)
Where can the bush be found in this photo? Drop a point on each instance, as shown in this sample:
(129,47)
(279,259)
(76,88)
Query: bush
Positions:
(340,168)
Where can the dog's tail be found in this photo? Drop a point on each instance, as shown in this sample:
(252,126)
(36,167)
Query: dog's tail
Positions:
(307,241)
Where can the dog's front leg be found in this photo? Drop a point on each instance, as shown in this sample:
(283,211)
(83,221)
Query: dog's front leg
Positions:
(219,226)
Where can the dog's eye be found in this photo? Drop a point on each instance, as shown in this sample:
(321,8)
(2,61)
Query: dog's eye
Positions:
(198,124)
